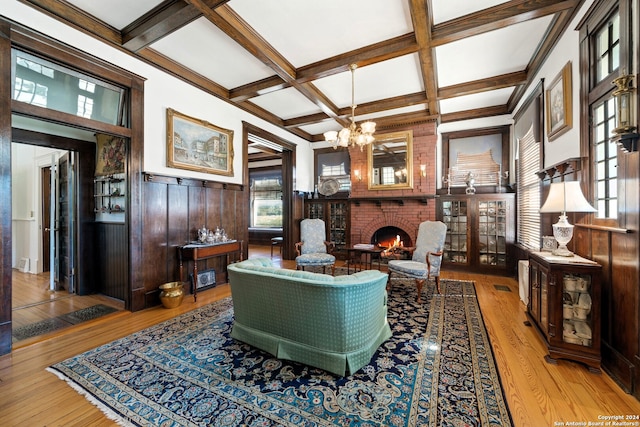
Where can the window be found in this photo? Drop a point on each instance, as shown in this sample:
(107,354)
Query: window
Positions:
(528,191)
(266,199)
(605,48)
(37,81)
(605,159)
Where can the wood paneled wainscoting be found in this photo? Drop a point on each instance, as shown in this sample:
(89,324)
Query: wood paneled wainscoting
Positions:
(173,210)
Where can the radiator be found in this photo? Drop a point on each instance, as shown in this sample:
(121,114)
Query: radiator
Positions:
(523,280)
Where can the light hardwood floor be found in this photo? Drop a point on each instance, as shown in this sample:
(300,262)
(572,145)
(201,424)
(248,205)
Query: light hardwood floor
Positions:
(538,394)
(32,301)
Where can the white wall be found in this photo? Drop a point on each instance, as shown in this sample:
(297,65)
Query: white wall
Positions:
(566,145)
(164,91)
(26,209)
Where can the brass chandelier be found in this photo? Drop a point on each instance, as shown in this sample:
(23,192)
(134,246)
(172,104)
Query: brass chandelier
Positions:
(352,135)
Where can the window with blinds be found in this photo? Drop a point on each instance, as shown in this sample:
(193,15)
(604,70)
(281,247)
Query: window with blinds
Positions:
(529,191)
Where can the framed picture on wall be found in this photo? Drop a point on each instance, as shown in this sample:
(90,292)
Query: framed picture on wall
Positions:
(558,104)
(197,145)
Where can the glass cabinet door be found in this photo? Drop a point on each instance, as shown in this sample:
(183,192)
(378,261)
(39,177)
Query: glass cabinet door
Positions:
(577,322)
(338,224)
(315,210)
(492,229)
(454,215)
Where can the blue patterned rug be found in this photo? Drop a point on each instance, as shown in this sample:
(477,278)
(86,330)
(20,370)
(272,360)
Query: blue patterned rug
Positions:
(436,370)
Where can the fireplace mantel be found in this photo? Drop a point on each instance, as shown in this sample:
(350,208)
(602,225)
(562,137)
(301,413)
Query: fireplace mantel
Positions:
(400,200)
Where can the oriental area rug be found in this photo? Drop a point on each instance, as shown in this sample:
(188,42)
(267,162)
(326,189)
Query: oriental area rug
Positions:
(436,370)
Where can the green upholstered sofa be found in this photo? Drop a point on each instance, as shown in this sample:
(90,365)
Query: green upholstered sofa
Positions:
(333,323)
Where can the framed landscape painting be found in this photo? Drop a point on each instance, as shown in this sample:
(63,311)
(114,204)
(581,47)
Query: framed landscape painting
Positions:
(197,145)
(558,100)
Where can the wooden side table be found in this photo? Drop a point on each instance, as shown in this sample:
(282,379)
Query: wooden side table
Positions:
(196,252)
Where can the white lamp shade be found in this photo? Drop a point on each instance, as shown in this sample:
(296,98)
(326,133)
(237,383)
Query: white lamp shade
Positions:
(368,127)
(566,197)
(331,136)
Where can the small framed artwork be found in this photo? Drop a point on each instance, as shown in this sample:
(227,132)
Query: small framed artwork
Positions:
(111,152)
(549,244)
(206,279)
(197,145)
(558,104)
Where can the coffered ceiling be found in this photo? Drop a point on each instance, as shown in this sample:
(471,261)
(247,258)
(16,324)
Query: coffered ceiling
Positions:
(287,61)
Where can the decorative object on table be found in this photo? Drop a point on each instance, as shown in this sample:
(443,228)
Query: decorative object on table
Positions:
(501,175)
(558,99)
(197,145)
(549,244)
(470,181)
(625,132)
(171,294)
(447,180)
(329,187)
(209,237)
(352,135)
(206,279)
(207,376)
(565,197)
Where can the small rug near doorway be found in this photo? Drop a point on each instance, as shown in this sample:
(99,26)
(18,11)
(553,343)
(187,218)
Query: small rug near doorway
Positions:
(437,369)
(63,321)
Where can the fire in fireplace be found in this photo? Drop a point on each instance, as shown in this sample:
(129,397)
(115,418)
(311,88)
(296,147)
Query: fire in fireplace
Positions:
(394,240)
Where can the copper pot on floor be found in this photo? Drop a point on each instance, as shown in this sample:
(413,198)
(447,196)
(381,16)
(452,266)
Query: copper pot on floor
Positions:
(171,294)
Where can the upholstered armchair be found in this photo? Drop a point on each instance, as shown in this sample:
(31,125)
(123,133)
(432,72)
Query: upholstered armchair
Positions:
(426,259)
(313,248)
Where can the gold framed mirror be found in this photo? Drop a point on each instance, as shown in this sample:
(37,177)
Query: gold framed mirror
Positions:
(390,161)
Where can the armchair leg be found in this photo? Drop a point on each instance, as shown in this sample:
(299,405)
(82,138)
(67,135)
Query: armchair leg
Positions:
(389,282)
(438,283)
(419,284)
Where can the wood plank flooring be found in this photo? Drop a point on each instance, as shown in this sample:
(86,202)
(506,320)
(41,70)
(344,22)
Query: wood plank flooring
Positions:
(538,394)
(32,301)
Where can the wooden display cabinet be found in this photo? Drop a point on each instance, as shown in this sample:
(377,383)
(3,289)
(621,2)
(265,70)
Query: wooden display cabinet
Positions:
(480,231)
(564,306)
(335,214)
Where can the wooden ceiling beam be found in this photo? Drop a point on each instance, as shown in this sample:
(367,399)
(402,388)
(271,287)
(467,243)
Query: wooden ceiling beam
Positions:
(378,52)
(372,54)
(483,85)
(477,113)
(235,27)
(493,18)
(421,19)
(161,21)
(260,87)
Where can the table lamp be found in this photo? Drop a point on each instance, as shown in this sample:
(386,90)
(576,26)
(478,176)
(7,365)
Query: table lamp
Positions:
(565,197)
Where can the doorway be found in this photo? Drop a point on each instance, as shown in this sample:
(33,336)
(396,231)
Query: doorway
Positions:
(259,147)
(45,298)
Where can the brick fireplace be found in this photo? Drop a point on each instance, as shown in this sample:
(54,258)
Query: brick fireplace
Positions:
(372,211)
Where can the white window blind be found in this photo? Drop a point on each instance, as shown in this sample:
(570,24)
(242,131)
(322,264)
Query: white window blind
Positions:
(529,191)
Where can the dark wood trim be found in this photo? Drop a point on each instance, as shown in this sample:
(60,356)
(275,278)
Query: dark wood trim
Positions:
(5,189)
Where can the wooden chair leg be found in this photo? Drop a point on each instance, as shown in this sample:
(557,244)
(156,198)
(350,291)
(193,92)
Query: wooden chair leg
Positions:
(419,284)
(438,284)
(389,282)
